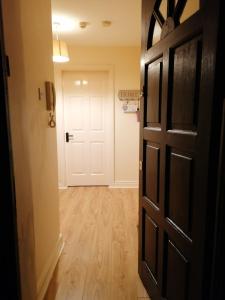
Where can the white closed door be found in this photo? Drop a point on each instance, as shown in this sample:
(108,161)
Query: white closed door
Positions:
(87,128)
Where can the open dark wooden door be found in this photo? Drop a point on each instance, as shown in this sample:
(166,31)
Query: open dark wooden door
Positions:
(179,146)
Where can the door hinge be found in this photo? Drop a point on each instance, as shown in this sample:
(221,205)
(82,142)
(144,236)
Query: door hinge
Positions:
(7,66)
(140,165)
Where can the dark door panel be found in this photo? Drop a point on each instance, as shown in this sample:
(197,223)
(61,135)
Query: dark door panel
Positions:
(178,75)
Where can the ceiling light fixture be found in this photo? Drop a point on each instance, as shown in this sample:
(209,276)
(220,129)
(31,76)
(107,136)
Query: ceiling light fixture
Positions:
(60,49)
(84,25)
(106,23)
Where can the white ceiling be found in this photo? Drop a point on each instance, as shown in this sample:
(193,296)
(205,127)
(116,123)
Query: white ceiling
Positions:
(124,14)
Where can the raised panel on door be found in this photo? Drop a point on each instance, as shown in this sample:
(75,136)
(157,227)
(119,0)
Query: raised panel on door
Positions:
(150,252)
(177,274)
(97,164)
(176,122)
(75,119)
(78,166)
(154,95)
(97,113)
(179,189)
(152,170)
(185,63)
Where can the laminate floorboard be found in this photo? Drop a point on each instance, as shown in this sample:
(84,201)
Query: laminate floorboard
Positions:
(100,257)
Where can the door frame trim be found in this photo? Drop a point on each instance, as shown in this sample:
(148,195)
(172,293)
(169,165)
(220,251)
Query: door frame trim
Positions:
(61,129)
(9,251)
(217,280)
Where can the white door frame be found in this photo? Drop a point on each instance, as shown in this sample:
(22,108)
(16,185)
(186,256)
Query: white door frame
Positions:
(76,68)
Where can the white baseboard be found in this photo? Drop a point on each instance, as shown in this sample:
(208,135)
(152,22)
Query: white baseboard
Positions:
(63,187)
(48,271)
(124,185)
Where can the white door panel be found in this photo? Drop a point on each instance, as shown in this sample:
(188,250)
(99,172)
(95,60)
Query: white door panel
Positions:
(97,158)
(97,113)
(77,162)
(75,119)
(86,113)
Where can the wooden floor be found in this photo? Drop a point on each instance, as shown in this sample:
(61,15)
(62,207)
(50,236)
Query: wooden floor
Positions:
(99,261)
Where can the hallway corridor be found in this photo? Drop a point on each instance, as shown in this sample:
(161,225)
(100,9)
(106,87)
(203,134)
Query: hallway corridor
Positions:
(99,260)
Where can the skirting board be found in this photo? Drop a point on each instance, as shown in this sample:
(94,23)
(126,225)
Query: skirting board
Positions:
(48,271)
(124,185)
(63,187)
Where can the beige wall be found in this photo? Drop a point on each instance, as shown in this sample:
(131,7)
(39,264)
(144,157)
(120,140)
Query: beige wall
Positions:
(29,46)
(126,64)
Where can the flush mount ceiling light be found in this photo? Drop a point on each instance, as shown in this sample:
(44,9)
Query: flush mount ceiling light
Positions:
(60,49)
(106,23)
(84,25)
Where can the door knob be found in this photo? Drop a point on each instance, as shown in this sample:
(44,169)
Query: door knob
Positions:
(68,136)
